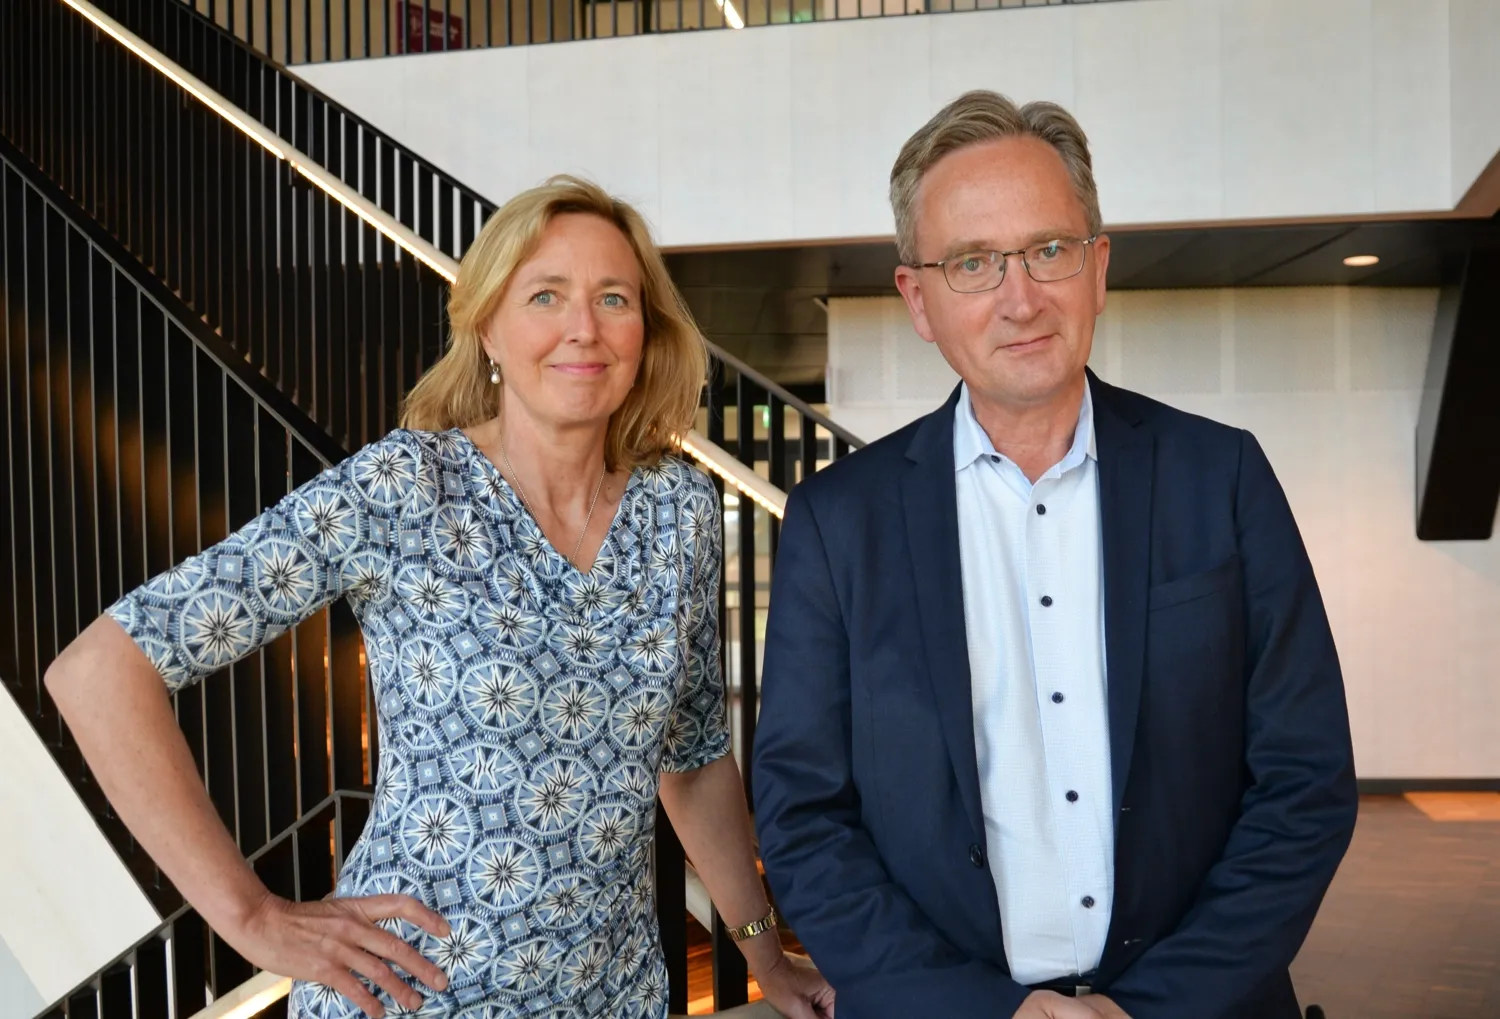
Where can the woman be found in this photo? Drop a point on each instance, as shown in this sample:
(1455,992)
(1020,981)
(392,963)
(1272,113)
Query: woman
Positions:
(536,578)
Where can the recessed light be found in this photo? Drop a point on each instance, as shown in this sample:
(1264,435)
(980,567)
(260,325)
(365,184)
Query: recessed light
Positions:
(1360,261)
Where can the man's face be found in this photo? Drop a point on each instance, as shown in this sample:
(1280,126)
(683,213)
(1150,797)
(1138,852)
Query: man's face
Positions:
(1022,343)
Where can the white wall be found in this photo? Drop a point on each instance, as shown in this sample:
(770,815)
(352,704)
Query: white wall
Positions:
(1474,27)
(67,904)
(1198,110)
(19,998)
(1329,380)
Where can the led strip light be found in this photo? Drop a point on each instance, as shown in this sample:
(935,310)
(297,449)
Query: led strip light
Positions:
(248,999)
(716,459)
(712,456)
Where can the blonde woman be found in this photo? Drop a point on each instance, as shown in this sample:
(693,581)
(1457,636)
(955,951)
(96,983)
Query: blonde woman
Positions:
(536,574)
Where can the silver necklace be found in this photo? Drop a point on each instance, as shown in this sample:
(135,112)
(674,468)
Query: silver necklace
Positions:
(527,503)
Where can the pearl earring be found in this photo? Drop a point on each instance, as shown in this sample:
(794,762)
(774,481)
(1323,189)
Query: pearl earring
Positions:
(494,373)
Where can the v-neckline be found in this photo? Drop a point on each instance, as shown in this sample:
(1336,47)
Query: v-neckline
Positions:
(524,511)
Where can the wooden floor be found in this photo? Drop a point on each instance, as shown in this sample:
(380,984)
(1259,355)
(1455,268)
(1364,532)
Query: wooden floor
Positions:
(1411,927)
(1409,930)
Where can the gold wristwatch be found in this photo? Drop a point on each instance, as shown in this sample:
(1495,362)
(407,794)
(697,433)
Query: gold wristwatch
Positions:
(750,930)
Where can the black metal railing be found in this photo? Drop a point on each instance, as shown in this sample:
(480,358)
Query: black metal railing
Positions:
(419,195)
(308,31)
(132,436)
(325,314)
(346,339)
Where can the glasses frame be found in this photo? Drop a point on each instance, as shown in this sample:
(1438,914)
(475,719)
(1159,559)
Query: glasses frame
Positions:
(1004,257)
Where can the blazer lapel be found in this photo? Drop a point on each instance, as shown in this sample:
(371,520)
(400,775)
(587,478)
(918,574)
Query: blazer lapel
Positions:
(930,500)
(1126,455)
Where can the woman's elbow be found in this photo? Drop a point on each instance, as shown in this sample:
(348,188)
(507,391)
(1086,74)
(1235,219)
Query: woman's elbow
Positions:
(91,653)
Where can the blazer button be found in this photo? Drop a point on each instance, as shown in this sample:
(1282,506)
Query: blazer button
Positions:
(976,856)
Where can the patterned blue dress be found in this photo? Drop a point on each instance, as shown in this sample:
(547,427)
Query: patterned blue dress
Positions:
(525,708)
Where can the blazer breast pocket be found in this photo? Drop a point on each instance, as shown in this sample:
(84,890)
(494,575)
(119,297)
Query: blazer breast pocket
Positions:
(1195,586)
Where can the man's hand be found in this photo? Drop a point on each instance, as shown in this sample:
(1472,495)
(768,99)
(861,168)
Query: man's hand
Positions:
(1104,1008)
(1051,1005)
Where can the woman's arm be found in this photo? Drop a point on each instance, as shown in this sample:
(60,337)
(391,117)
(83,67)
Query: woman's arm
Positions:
(112,686)
(116,705)
(707,809)
(708,812)
(117,708)
(701,787)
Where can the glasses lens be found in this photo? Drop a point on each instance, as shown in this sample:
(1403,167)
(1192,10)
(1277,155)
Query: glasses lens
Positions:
(975,271)
(1055,260)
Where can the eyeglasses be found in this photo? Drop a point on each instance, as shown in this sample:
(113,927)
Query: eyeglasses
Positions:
(974,272)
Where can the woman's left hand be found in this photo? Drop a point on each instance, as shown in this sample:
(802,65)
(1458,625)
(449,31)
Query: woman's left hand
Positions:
(795,988)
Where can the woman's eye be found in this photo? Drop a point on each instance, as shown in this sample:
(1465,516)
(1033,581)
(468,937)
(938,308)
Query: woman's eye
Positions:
(614,300)
(544,297)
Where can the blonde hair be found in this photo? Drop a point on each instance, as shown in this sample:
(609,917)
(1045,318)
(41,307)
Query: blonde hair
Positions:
(456,391)
(982,116)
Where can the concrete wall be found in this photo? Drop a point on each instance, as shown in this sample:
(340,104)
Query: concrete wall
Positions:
(1198,110)
(67,904)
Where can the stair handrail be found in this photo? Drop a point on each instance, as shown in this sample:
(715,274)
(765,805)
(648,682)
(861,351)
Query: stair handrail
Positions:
(781,393)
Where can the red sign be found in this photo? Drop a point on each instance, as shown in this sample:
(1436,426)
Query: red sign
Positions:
(427,28)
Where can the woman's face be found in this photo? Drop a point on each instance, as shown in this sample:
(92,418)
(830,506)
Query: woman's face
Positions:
(570,327)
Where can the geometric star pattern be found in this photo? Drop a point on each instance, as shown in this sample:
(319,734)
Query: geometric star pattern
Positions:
(525,708)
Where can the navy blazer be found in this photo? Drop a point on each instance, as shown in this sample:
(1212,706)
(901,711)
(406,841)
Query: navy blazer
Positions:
(1231,761)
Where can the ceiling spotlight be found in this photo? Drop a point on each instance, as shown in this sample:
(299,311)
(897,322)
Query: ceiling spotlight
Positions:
(1360,261)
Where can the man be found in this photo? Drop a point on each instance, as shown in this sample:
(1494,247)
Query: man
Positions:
(1052,724)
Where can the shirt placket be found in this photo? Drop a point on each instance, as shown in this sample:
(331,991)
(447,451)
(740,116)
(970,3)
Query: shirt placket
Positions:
(1048,616)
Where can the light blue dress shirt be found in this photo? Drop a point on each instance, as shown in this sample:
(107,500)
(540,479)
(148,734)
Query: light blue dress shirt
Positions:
(1034,615)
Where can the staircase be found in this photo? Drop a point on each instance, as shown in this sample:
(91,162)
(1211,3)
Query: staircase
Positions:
(216,283)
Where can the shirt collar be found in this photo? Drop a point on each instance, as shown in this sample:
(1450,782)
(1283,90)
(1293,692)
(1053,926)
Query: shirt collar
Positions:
(970,441)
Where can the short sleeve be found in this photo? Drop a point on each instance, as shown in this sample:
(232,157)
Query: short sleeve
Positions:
(698,731)
(328,538)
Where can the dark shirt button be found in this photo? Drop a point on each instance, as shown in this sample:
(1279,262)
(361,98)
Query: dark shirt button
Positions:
(1046,601)
(1057,698)
(1088,902)
(976,856)
(994,458)
(1041,510)
(1072,796)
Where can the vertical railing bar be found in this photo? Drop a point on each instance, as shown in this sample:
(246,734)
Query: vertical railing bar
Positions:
(71,443)
(671,905)
(9,437)
(807,441)
(730,972)
(260,657)
(47,423)
(745,448)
